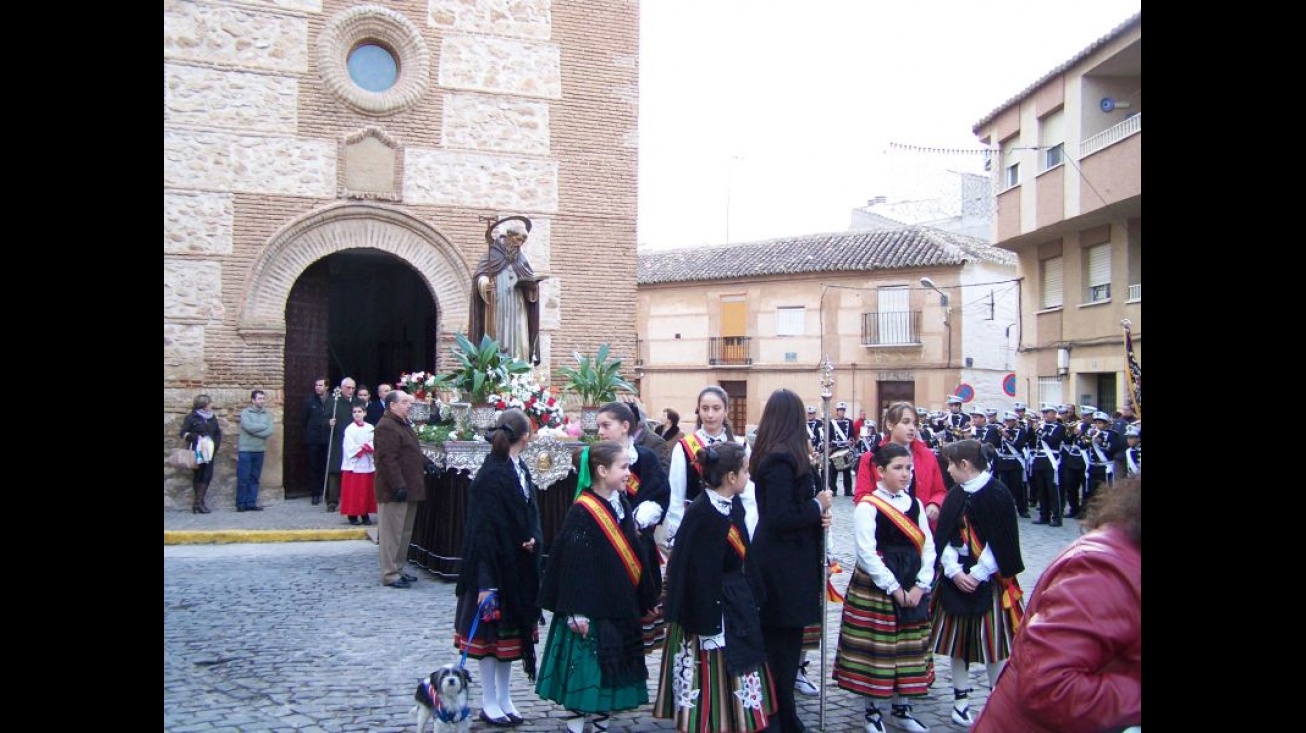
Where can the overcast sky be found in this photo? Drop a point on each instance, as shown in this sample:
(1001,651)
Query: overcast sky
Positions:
(773,119)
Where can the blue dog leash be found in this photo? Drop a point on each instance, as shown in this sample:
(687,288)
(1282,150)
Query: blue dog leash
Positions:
(472,634)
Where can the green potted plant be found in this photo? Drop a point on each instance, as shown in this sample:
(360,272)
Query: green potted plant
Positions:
(595,381)
(483,370)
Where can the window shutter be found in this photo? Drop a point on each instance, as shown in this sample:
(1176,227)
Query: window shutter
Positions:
(790,321)
(1051,283)
(895,315)
(1099,265)
(1049,390)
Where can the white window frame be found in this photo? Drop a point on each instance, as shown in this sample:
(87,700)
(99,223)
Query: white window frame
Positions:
(1011,175)
(1052,270)
(895,324)
(791,320)
(1054,156)
(1052,139)
(1097,273)
(1050,390)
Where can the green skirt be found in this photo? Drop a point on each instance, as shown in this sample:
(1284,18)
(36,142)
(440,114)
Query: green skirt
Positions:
(569,675)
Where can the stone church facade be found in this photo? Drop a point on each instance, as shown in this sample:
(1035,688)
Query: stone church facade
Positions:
(295,198)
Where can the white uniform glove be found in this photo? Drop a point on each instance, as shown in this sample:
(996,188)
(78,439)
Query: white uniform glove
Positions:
(647,514)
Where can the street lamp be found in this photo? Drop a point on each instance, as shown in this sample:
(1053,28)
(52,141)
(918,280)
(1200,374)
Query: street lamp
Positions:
(947,311)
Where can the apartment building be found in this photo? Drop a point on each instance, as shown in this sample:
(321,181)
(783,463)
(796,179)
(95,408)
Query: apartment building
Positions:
(1068,169)
(912,313)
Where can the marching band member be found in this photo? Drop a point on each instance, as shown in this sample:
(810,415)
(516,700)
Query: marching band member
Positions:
(1009,466)
(814,433)
(958,422)
(1074,464)
(840,435)
(925,428)
(1134,453)
(1104,444)
(1043,473)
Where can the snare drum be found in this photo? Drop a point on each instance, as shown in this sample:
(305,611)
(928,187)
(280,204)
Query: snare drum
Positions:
(841,460)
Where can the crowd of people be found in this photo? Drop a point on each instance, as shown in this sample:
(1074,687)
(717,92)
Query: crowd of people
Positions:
(742,530)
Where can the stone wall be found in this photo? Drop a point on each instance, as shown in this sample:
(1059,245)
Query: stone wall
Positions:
(528,107)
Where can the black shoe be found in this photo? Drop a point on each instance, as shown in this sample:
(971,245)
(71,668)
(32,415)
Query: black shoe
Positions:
(317,500)
(1055,523)
(367,520)
(413,579)
(331,507)
(353,520)
(401,583)
(240,508)
(254,509)
(1071,514)
(503,722)
(1040,520)
(516,720)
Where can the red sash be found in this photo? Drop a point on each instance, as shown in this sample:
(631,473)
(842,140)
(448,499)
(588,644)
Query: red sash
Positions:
(899,519)
(612,530)
(693,446)
(736,541)
(1011,592)
(632,484)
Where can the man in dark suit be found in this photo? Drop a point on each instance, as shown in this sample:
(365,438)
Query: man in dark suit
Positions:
(339,412)
(400,485)
(316,431)
(641,435)
(376,408)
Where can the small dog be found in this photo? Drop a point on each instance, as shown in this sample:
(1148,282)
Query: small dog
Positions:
(443,698)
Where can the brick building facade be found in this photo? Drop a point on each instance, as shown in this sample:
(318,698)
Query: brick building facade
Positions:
(313,227)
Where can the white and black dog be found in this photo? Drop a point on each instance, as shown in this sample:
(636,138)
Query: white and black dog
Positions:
(443,698)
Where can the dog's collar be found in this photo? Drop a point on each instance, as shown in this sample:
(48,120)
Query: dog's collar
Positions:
(444,716)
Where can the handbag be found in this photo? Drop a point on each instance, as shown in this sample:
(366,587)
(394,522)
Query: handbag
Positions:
(182,458)
(204,449)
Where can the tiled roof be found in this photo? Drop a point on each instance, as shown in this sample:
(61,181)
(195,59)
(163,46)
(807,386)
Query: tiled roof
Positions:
(1110,36)
(883,249)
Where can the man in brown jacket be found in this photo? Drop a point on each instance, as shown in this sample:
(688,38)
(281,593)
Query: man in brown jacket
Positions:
(400,484)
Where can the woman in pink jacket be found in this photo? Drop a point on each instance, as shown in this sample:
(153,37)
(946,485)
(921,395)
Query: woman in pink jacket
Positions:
(900,427)
(1076,663)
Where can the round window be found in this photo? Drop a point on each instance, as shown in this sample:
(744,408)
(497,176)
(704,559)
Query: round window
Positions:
(373,67)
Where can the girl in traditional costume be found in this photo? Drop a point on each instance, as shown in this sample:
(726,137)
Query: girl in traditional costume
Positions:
(884,637)
(977,607)
(714,677)
(597,586)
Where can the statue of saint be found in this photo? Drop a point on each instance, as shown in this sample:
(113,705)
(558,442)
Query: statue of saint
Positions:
(505,299)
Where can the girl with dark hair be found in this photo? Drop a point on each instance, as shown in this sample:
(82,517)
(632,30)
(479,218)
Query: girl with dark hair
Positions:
(788,548)
(1077,660)
(200,430)
(669,430)
(978,606)
(901,427)
(598,587)
(884,637)
(714,676)
(647,491)
(683,476)
(501,557)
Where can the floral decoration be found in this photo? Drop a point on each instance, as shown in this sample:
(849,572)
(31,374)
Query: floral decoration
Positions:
(418,384)
(539,403)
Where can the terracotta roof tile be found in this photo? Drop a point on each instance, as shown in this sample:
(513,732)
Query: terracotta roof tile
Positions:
(884,249)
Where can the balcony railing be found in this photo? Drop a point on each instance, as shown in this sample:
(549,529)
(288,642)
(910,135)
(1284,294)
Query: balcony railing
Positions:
(1111,136)
(729,350)
(1136,291)
(891,328)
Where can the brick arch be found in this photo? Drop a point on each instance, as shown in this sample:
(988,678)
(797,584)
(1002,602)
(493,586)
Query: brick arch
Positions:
(346,226)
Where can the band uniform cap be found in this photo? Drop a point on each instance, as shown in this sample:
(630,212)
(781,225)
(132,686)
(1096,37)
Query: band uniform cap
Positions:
(1087,409)
(976,410)
(1099,415)
(1009,415)
(990,412)
(922,411)
(1049,408)
(811,410)
(1133,430)
(1062,410)
(1018,406)
(841,406)
(954,400)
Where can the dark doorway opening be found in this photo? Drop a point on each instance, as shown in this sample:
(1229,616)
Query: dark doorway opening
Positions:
(891,392)
(363,314)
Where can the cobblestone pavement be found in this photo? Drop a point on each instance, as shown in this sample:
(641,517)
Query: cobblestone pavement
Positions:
(299,636)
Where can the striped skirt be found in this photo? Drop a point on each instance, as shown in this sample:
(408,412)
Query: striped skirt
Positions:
(877,656)
(698,693)
(984,639)
(493,639)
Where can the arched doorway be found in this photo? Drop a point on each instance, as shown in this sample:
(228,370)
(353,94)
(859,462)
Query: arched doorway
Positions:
(360,313)
(364,249)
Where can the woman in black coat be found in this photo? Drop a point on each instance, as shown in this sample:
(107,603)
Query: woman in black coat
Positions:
(502,546)
(788,551)
(201,422)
